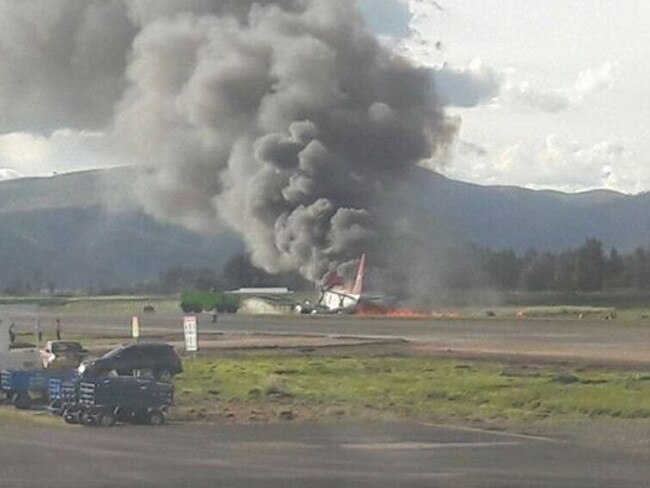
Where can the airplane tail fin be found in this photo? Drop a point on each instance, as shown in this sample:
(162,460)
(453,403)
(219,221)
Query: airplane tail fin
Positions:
(358,283)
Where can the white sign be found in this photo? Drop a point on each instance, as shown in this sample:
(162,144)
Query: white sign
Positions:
(135,327)
(191,333)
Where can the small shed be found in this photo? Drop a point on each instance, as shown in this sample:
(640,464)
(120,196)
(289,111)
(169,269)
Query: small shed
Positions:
(266,306)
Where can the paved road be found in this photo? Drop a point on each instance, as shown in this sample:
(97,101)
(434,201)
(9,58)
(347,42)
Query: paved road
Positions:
(606,341)
(286,455)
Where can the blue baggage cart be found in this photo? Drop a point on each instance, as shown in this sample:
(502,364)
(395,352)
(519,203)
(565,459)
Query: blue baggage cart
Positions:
(26,387)
(105,401)
(62,392)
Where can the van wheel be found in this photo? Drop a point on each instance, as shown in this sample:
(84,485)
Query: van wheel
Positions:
(156,418)
(163,375)
(22,401)
(106,419)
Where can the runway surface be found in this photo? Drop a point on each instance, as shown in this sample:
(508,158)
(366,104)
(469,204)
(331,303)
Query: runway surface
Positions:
(590,340)
(287,455)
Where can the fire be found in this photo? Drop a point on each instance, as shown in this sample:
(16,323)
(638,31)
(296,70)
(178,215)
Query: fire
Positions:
(374,310)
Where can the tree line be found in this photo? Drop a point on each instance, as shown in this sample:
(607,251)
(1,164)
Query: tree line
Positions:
(588,268)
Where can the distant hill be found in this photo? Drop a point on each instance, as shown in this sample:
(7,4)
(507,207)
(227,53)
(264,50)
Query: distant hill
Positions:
(511,217)
(68,230)
(65,229)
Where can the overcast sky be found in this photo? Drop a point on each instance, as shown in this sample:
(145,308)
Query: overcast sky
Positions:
(552,94)
(549,94)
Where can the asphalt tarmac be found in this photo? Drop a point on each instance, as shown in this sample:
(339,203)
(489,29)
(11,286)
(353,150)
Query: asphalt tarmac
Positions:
(291,455)
(595,341)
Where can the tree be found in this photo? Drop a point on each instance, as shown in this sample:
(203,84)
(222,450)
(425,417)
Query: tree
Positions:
(637,269)
(503,268)
(181,278)
(590,266)
(539,273)
(614,268)
(564,272)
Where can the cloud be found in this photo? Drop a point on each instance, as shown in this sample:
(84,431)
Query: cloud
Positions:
(468,86)
(555,164)
(478,84)
(9,174)
(589,82)
(25,154)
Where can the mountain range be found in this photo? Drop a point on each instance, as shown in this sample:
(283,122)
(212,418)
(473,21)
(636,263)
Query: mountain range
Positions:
(85,229)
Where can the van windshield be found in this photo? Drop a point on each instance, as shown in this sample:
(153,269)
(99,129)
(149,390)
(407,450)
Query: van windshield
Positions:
(66,347)
(114,353)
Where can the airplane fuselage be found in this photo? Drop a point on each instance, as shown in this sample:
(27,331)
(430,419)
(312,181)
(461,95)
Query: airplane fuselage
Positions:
(339,301)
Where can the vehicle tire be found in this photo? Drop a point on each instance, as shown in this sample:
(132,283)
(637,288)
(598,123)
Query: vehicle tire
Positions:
(139,418)
(22,401)
(156,418)
(106,419)
(71,417)
(163,375)
(85,418)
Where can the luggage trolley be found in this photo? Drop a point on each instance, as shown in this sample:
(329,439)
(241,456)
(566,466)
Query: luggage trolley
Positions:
(62,393)
(105,401)
(24,388)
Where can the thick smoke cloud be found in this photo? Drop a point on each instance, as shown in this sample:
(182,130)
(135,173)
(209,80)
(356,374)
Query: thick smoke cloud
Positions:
(61,63)
(285,119)
(289,125)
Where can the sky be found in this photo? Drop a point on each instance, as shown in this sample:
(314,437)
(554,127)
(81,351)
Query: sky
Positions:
(546,94)
(550,94)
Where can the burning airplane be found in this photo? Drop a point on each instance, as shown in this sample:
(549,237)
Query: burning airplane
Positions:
(339,297)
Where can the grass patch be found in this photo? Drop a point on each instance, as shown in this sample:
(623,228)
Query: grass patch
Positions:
(415,388)
(568,312)
(120,305)
(29,418)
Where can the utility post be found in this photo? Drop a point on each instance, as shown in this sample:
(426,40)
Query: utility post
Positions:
(135,328)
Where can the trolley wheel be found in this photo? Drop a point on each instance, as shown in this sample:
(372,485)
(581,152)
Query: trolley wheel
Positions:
(22,401)
(86,418)
(71,417)
(156,418)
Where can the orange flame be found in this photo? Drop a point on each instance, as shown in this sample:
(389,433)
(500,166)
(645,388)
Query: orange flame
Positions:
(374,310)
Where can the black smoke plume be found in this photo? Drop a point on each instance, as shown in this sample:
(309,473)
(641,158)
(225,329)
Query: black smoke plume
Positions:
(288,121)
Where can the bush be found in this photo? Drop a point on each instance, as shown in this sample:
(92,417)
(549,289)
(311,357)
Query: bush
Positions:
(197,302)
(191,307)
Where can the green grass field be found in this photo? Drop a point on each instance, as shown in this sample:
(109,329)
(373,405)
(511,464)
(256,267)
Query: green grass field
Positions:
(416,388)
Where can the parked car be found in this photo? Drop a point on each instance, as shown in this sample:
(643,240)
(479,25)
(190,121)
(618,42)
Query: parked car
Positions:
(62,355)
(158,359)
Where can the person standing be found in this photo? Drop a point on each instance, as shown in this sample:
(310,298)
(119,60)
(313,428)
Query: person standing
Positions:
(57,325)
(39,332)
(12,333)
